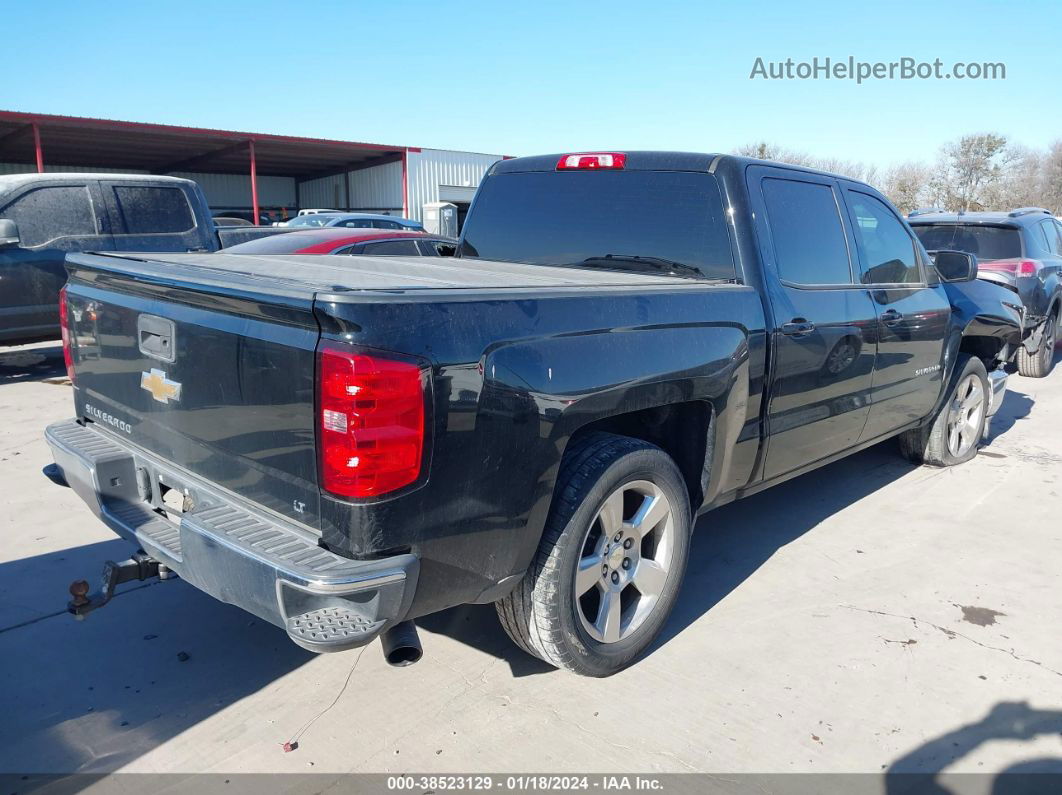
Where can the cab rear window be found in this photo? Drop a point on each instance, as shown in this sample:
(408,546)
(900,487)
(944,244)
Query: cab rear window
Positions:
(647,221)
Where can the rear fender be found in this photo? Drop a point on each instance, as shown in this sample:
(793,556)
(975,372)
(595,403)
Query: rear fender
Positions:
(571,381)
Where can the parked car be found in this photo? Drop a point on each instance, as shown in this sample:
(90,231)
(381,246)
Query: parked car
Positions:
(43,217)
(315,212)
(355,221)
(340,448)
(336,240)
(224,220)
(1021,250)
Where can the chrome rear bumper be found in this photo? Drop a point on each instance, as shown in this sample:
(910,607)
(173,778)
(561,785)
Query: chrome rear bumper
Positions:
(232,551)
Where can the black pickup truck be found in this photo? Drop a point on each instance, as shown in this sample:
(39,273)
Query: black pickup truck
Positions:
(624,341)
(43,217)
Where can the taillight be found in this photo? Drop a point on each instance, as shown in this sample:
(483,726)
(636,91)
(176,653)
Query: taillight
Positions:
(1019,267)
(64,328)
(593,160)
(370,422)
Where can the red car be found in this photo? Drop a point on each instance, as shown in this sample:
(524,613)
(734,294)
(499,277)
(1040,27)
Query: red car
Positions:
(339,240)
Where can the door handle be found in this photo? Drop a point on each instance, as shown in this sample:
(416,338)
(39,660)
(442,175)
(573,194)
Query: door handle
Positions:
(798,327)
(891,317)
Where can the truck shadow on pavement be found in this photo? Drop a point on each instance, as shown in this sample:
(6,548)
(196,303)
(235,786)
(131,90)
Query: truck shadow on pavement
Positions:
(1015,406)
(733,541)
(31,364)
(95,695)
(921,770)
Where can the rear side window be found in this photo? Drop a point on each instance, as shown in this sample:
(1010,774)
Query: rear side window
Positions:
(808,235)
(985,242)
(391,247)
(886,250)
(355,223)
(437,248)
(147,210)
(1050,230)
(45,214)
(643,221)
(379,224)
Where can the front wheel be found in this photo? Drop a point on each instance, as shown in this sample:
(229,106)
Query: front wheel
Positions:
(611,559)
(953,435)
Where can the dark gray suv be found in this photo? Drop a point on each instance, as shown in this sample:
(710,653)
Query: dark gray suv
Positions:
(1020,249)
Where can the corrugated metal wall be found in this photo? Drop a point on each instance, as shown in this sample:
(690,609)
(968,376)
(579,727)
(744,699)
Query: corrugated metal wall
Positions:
(371,189)
(324,193)
(430,168)
(379,186)
(234,190)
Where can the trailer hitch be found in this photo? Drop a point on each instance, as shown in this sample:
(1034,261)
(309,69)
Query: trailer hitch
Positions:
(139,567)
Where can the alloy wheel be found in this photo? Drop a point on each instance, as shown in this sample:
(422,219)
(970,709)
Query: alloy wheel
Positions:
(625,559)
(965,415)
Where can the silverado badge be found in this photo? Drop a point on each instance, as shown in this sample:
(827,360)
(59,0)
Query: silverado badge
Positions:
(161,388)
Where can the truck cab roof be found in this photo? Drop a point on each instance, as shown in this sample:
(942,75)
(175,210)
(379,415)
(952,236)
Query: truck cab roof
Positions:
(11,181)
(656,161)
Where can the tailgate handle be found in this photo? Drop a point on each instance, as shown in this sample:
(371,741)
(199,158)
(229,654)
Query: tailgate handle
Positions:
(156,337)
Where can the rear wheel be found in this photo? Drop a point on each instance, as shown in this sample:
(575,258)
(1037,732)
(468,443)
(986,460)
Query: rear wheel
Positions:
(1038,364)
(953,435)
(611,559)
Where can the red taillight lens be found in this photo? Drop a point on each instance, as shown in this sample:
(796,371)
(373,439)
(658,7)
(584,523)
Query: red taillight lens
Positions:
(64,328)
(371,422)
(1019,267)
(592,160)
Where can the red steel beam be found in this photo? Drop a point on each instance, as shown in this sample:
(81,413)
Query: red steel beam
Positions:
(254,182)
(37,147)
(405,183)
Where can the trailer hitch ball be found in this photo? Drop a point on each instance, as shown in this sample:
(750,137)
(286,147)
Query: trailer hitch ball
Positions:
(79,591)
(139,567)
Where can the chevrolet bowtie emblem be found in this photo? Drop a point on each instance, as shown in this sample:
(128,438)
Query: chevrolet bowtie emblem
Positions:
(161,388)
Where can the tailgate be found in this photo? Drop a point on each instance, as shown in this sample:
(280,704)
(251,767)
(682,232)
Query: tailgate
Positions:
(217,380)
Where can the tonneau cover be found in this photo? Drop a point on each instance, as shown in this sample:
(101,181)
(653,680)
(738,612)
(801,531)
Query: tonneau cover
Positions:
(340,273)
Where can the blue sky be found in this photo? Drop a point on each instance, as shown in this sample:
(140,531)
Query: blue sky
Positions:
(540,77)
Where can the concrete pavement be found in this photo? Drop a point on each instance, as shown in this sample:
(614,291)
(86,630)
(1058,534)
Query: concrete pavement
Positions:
(870,616)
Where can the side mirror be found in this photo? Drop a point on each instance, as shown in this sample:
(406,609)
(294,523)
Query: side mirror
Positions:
(955,266)
(8,233)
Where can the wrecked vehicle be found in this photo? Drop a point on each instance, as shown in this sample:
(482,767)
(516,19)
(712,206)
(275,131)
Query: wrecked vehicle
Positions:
(1022,251)
(623,342)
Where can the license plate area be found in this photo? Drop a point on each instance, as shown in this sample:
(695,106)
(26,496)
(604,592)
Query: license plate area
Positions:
(168,495)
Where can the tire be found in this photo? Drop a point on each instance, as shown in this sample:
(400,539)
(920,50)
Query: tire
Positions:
(955,432)
(547,614)
(1039,363)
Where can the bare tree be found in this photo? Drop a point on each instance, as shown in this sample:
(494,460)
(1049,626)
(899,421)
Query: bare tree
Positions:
(906,185)
(765,150)
(1021,183)
(1051,178)
(970,170)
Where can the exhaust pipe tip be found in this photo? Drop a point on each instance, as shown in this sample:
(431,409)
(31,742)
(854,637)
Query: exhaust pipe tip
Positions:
(401,644)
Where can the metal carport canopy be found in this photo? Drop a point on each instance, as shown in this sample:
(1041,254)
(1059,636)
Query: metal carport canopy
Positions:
(162,148)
